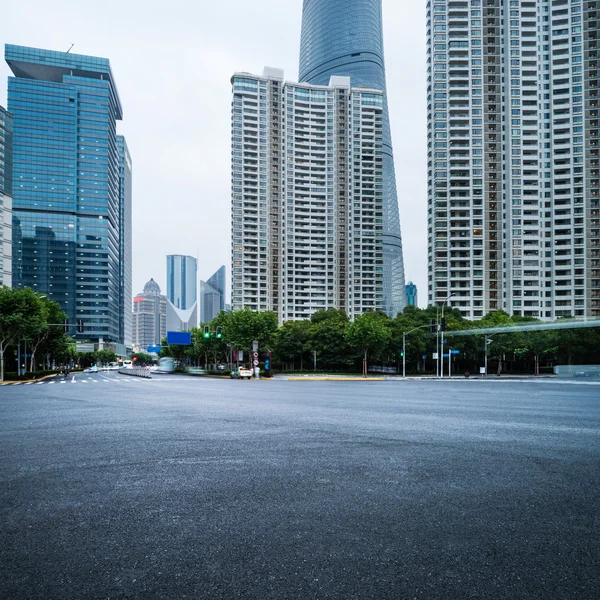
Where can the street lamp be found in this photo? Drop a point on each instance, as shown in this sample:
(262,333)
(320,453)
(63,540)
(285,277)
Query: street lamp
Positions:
(441,363)
(488,341)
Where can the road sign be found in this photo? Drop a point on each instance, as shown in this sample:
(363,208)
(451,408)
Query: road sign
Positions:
(255,355)
(454,351)
(254,345)
(255,363)
(445,356)
(240,356)
(179,338)
(435,356)
(424,357)
(153,349)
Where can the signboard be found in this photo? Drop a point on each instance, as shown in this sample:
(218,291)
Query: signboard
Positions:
(240,356)
(255,363)
(445,356)
(454,351)
(155,349)
(179,338)
(254,345)
(435,356)
(482,370)
(424,357)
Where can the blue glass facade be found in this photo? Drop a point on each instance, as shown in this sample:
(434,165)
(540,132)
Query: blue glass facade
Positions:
(411,294)
(66,219)
(182,281)
(343,38)
(212,295)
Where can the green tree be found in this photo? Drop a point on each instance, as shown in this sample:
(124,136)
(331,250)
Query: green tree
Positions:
(22,316)
(49,337)
(370,334)
(139,358)
(327,337)
(290,342)
(243,326)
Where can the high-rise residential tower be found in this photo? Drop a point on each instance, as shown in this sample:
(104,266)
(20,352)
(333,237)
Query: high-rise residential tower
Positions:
(345,38)
(212,295)
(66,216)
(513,156)
(307,196)
(182,292)
(6,151)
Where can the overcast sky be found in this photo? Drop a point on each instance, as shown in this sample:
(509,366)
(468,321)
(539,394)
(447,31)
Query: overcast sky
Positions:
(172,62)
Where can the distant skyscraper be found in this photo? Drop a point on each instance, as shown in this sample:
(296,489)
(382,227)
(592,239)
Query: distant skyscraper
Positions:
(513,155)
(346,38)
(125,243)
(212,296)
(66,216)
(411,294)
(149,317)
(182,292)
(6,151)
(306,222)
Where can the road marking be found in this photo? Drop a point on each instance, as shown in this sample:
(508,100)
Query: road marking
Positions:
(28,382)
(63,381)
(40,383)
(51,382)
(83,381)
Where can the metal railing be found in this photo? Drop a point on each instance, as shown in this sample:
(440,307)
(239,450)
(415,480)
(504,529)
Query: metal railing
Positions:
(136,372)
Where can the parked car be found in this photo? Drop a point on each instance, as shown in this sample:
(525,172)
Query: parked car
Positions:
(241,373)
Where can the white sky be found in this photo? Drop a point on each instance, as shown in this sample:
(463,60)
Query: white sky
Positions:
(172,62)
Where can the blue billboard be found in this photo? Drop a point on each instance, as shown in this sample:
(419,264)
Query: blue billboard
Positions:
(179,338)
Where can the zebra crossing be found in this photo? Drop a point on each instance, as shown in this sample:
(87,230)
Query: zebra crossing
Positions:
(87,380)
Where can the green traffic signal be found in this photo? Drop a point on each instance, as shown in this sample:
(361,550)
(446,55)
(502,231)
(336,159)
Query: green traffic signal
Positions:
(219,332)
(206,332)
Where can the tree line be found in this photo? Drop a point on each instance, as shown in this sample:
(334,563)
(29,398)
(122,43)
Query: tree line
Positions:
(376,340)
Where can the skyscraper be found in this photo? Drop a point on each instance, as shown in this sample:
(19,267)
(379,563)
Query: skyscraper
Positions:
(345,38)
(182,292)
(513,138)
(125,243)
(66,216)
(149,317)
(412,298)
(212,296)
(307,197)
(6,150)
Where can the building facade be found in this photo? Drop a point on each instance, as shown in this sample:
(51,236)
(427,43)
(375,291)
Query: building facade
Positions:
(66,216)
(412,298)
(212,295)
(125,243)
(6,152)
(307,196)
(182,292)
(149,317)
(341,38)
(513,157)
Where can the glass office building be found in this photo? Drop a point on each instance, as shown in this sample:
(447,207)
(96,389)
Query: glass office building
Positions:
(66,211)
(125,244)
(212,296)
(338,39)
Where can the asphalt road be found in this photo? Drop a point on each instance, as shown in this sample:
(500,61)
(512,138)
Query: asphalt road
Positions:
(116,487)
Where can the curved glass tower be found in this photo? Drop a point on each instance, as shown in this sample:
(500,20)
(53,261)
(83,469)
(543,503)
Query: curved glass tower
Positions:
(346,38)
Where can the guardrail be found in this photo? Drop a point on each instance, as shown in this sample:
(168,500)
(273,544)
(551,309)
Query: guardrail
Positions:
(137,372)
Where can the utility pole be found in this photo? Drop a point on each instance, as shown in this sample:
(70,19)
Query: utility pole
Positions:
(488,340)
(442,332)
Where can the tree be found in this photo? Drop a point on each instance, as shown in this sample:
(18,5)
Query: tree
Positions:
(47,335)
(327,337)
(244,326)
(21,316)
(370,334)
(106,356)
(291,340)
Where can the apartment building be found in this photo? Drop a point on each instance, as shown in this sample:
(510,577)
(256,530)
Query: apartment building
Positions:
(513,151)
(307,196)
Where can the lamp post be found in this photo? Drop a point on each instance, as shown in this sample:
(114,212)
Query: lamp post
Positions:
(488,341)
(442,332)
(404,348)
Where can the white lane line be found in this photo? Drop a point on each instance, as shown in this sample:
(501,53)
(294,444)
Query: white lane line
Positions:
(28,382)
(51,382)
(63,381)
(40,383)
(83,381)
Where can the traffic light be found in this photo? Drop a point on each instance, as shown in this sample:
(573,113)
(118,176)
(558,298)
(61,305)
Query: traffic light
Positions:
(80,326)
(432,326)
(443,324)
(206,332)
(401,354)
(66,325)
(219,332)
